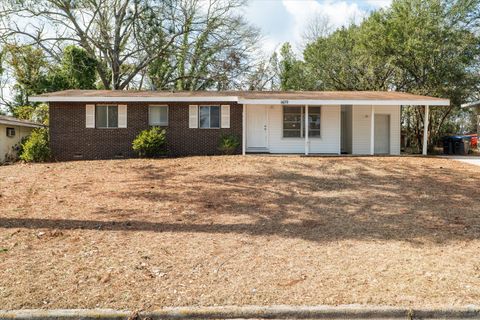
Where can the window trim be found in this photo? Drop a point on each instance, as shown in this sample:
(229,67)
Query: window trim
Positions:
(209,114)
(10,129)
(165,124)
(105,105)
(302,122)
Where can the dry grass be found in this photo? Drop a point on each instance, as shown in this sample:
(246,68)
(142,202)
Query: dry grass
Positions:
(142,234)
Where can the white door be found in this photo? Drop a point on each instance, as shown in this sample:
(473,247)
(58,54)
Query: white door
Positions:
(382,134)
(256,127)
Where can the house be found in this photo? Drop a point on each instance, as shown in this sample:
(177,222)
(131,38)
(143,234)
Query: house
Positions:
(12,131)
(91,124)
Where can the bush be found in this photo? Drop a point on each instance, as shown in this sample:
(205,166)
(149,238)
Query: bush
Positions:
(150,143)
(229,144)
(35,148)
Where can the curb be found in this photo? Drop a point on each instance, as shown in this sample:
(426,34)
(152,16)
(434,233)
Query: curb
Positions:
(248,312)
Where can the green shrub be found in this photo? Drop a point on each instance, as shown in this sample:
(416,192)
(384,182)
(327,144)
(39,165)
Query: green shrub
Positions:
(150,142)
(229,144)
(35,148)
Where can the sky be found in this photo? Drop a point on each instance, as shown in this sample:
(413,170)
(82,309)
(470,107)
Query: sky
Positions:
(285,20)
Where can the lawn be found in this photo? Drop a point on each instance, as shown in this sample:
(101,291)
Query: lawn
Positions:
(142,234)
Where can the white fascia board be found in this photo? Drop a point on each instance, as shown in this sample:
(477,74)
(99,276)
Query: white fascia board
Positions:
(133,99)
(348,102)
(240,101)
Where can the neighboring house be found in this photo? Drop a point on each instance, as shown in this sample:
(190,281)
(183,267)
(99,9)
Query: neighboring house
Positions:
(92,124)
(12,130)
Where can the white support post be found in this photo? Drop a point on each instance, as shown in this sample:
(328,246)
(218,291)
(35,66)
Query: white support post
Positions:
(306,130)
(340,131)
(244,129)
(372,132)
(425,132)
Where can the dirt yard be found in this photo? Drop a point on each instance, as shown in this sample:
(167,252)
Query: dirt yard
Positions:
(142,234)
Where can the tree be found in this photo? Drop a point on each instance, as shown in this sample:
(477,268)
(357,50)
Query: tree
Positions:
(78,68)
(33,74)
(318,26)
(113,32)
(29,69)
(351,58)
(265,76)
(183,44)
(428,47)
(215,50)
(435,54)
(292,71)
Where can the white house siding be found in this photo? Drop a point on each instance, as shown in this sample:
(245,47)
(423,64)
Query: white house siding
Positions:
(6,143)
(361,126)
(329,142)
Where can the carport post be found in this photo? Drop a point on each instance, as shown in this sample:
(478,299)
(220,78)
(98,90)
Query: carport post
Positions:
(425,131)
(306,130)
(244,129)
(372,132)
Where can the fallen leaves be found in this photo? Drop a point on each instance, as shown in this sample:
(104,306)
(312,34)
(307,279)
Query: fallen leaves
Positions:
(239,230)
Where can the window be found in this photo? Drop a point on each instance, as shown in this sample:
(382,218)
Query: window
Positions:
(158,115)
(294,122)
(209,116)
(10,132)
(106,116)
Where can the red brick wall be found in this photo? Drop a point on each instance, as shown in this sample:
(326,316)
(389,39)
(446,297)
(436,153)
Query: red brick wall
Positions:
(69,139)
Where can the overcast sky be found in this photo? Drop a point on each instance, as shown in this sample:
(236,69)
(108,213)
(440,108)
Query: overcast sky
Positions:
(285,20)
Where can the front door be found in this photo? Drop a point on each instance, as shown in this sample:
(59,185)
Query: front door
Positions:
(382,134)
(256,127)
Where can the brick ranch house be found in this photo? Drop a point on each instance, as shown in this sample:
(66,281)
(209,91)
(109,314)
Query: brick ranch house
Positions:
(101,124)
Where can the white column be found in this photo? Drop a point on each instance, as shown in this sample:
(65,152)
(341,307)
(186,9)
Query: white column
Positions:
(306,130)
(244,129)
(340,131)
(425,132)
(372,132)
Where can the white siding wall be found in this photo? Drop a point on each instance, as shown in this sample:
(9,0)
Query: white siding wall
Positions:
(329,142)
(362,128)
(395,127)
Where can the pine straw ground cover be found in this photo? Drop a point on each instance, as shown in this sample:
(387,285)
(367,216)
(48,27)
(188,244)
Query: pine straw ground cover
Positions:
(142,234)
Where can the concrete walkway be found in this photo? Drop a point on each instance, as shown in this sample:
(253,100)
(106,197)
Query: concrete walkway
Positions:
(466,159)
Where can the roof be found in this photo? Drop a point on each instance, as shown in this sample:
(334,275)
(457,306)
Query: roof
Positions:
(244,97)
(11,121)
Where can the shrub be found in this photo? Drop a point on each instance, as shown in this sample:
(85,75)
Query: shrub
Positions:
(150,142)
(35,148)
(229,144)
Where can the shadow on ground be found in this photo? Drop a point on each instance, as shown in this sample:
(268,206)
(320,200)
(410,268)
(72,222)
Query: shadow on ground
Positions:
(327,200)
